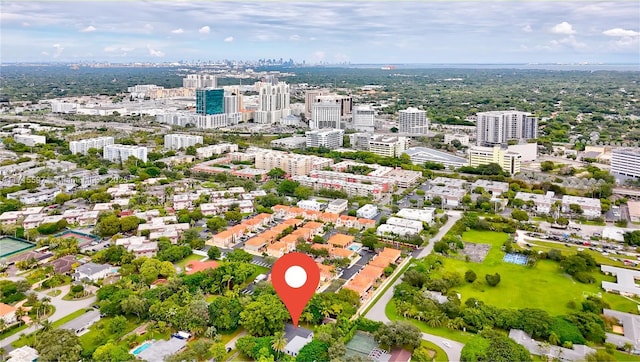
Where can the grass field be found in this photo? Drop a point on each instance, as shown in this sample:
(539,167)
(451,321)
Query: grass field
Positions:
(543,286)
(193,257)
(441,355)
(573,248)
(625,357)
(98,334)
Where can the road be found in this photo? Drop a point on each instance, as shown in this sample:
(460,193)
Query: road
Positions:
(63,309)
(377,312)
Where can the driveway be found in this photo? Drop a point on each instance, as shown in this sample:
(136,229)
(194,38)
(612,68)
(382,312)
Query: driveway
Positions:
(453,217)
(63,309)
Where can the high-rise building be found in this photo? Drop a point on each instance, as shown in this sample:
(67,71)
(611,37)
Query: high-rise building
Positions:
(499,127)
(326,112)
(364,118)
(327,138)
(273,101)
(508,161)
(625,163)
(210,101)
(310,98)
(200,81)
(387,146)
(178,141)
(413,121)
(83,146)
(118,152)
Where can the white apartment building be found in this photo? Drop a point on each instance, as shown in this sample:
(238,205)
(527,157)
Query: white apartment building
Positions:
(450,196)
(30,139)
(118,152)
(542,203)
(352,188)
(326,112)
(415,225)
(454,183)
(200,81)
(590,207)
(508,161)
(291,163)
(177,141)
(63,107)
(364,118)
(368,211)
(360,140)
(499,127)
(309,205)
(198,121)
(422,215)
(337,206)
(208,151)
(83,146)
(494,187)
(388,146)
(625,163)
(462,138)
(273,102)
(327,138)
(413,121)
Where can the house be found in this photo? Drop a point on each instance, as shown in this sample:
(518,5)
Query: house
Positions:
(423,215)
(495,188)
(361,285)
(92,271)
(198,266)
(296,339)
(542,203)
(367,211)
(229,237)
(577,353)
(277,249)
(149,249)
(372,271)
(340,240)
(63,265)
(337,206)
(316,228)
(23,354)
(256,245)
(8,313)
(309,205)
(326,272)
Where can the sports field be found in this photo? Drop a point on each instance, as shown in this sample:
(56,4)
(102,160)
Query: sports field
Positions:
(10,246)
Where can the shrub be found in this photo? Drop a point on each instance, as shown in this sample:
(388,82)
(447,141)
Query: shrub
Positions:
(77,288)
(470,276)
(492,280)
(584,277)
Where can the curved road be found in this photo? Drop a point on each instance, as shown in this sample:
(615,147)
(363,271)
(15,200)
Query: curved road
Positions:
(376,313)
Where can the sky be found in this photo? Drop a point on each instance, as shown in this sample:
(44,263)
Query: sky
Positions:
(359,32)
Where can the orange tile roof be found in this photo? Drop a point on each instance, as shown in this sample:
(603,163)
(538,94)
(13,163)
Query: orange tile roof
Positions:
(325,269)
(270,234)
(367,221)
(6,309)
(223,235)
(290,239)
(277,246)
(313,214)
(372,271)
(362,280)
(197,266)
(380,261)
(341,240)
(347,217)
(360,290)
(329,217)
(292,222)
(256,241)
(341,253)
(320,246)
(304,232)
(279,228)
(280,208)
(313,225)
(296,210)
(390,253)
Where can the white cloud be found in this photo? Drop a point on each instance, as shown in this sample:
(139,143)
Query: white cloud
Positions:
(621,32)
(88,29)
(204,30)
(527,28)
(177,31)
(569,42)
(59,50)
(148,28)
(155,52)
(563,28)
(25,24)
(228,39)
(294,37)
(45,53)
(118,48)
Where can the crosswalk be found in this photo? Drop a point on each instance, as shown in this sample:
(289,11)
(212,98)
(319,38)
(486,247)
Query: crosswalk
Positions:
(261,263)
(247,292)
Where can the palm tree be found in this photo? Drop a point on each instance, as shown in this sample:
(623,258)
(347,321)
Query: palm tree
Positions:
(3,324)
(279,343)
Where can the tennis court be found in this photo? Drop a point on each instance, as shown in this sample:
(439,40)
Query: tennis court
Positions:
(11,246)
(516,258)
(364,346)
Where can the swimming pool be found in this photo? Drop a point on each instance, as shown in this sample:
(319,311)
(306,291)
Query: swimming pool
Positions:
(141,348)
(354,247)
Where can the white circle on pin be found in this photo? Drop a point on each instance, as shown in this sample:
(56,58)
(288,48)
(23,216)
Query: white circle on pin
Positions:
(295,276)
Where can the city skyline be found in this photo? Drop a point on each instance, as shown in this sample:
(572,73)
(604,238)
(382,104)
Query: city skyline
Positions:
(328,32)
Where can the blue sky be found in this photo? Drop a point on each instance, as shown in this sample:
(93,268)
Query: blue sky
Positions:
(327,31)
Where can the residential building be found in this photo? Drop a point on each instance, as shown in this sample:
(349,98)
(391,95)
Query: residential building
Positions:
(495,188)
(421,155)
(499,127)
(92,271)
(368,211)
(508,161)
(40,195)
(634,210)
(388,146)
(309,205)
(210,101)
(360,140)
(181,141)
(460,137)
(415,225)
(8,313)
(63,107)
(273,101)
(296,337)
(208,151)
(292,164)
(578,352)
(625,281)
(198,121)
(326,112)
(625,163)
(364,118)
(337,206)
(118,152)
(326,138)
(388,229)
(590,207)
(290,143)
(528,150)
(30,139)
(422,215)
(83,146)
(449,196)
(630,326)
(23,354)
(351,184)
(541,202)
(413,121)
(455,183)
(199,81)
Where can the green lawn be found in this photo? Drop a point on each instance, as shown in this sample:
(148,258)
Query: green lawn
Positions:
(99,335)
(441,355)
(69,317)
(543,286)
(12,331)
(573,248)
(625,357)
(193,257)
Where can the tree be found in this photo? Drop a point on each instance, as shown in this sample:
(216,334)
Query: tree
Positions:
(218,352)
(117,325)
(58,345)
(470,276)
(520,215)
(61,198)
(632,238)
(399,334)
(287,187)
(314,351)
(264,316)
(576,209)
(279,343)
(214,253)
(233,216)
(276,173)
(216,224)
(547,166)
(111,352)
(302,192)
(239,255)
(337,351)
(224,313)
(492,280)
(600,356)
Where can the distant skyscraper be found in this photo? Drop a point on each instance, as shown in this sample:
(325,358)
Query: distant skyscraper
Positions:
(364,118)
(326,112)
(210,101)
(200,81)
(413,120)
(499,127)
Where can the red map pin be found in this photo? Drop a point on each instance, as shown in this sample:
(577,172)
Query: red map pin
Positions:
(295,278)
